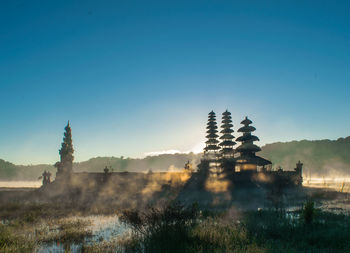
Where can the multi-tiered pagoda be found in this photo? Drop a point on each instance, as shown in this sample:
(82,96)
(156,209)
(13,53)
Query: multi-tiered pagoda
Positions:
(241,159)
(226,138)
(247,160)
(211,151)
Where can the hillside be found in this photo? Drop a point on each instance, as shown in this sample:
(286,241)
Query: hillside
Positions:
(10,171)
(155,163)
(166,162)
(321,157)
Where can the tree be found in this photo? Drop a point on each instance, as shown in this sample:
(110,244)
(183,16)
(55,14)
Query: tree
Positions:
(65,165)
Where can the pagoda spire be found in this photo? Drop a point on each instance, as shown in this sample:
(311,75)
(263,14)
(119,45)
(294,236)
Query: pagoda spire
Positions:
(226,138)
(247,147)
(65,165)
(212,142)
(211,151)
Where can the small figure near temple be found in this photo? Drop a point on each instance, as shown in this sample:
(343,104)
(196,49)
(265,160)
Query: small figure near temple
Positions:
(299,167)
(188,166)
(106,174)
(46,176)
(299,172)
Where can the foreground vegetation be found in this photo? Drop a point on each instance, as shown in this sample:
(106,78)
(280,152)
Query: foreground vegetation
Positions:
(178,228)
(24,227)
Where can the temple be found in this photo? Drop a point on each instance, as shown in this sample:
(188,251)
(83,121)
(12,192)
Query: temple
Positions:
(220,161)
(222,155)
(241,164)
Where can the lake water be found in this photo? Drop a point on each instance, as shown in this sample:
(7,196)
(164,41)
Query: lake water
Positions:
(20,184)
(104,229)
(341,184)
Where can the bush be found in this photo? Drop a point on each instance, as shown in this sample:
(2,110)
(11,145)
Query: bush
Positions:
(308,212)
(161,229)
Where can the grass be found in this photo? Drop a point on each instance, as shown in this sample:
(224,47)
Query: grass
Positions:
(257,231)
(10,242)
(184,229)
(26,228)
(328,233)
(65,231)
(179,228)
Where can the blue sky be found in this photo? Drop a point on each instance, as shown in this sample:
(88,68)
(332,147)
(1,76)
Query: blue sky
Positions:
(140,76)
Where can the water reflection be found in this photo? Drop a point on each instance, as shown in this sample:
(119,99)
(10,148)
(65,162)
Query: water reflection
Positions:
(20,184)
(341,184)
(104,229)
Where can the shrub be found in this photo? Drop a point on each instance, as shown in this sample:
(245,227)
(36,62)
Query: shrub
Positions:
(161,229)
(172,216)
(308,212)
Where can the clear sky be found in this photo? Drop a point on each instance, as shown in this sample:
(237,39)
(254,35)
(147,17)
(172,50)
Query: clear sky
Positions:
(140,76)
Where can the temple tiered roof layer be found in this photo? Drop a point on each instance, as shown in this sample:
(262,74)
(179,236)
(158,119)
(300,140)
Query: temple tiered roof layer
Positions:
(211,143)
(247,159)
(247,139)
(227,142)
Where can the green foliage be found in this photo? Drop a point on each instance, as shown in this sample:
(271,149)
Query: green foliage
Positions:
(7,170)
(308,212)
(161,229)
(179,228)
(155,163)
(171,217)
(257,231)
(10,242)
(288,233)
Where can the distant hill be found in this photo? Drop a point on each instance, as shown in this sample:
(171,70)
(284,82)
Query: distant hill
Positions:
(10,171)
(331,157)
(322,157)
(166,162)
(163,162)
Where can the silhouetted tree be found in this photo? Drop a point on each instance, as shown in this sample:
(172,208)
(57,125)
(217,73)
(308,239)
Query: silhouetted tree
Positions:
(65,165)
